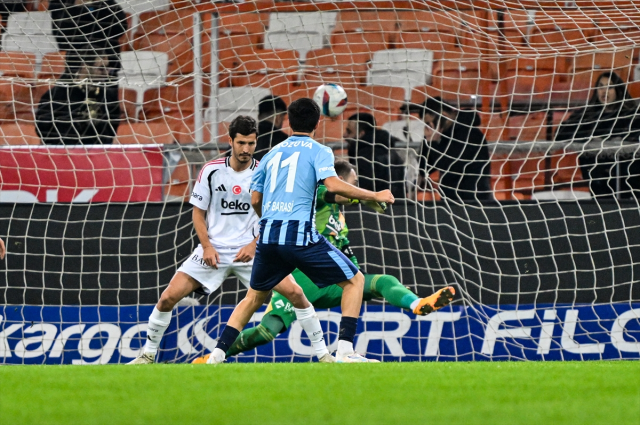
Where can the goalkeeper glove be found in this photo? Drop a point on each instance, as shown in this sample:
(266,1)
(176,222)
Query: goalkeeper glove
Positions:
(379,207)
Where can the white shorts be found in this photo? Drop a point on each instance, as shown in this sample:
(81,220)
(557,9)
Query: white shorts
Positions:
(211,278)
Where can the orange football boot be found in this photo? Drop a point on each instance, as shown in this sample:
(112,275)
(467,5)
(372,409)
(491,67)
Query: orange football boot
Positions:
(435,302)
(201,360)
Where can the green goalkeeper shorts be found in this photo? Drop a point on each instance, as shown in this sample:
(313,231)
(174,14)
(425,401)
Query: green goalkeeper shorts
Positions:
(328,297)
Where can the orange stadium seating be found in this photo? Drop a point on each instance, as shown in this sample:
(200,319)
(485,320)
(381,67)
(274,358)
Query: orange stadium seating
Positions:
(335,66)
(16,101)
(53,65)
(144,133)
(275,69)
(17,64)
(360,42)
(19,134)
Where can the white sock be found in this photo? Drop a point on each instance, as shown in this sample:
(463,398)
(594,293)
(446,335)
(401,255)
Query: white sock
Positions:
(414,304)
(309,321)
(158,323)
(345,348)
(217,356)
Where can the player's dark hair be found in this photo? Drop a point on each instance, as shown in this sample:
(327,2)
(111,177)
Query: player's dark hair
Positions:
(343,168)
(244,125)
(304,115)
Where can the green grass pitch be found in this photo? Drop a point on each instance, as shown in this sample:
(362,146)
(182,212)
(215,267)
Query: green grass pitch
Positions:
(387,393)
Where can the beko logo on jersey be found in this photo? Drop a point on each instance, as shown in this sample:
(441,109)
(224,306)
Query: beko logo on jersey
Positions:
(236,206)
(296,144)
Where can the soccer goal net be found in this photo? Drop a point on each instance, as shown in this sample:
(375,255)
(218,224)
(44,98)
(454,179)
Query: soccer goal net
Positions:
(507,131)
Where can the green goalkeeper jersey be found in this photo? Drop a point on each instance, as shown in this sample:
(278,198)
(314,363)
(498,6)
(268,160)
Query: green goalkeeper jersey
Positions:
(330,221)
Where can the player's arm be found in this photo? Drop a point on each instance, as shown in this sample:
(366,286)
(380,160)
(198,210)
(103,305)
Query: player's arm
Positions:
(210,255)
(3,250)
(332,198)
(256,202)
(343,189)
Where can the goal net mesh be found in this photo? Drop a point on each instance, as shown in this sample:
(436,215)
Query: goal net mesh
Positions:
(507,133)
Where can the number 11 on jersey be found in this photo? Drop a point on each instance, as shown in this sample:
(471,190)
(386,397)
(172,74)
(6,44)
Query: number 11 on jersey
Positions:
(275,165)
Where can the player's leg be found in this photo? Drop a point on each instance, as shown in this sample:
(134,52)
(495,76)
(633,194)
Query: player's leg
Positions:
(389,288)
(268,329)
(352,291)
(180,286)
(325,265)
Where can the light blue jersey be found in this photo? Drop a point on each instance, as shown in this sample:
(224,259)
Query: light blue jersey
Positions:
(288,177)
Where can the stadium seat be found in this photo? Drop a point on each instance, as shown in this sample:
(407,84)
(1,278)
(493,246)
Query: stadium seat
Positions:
(273,69)
(236,44)
(170,103)
(560,34)
(129,104)
(176,22)
(565,169)
(234,101)
(526,127)
(19,134)
(366,21)
(177,46)
(300,91)
(531,80)
(458,80)
(360,42)
(429,30)
(439,43)
(330,129)
(243,23)
(517,27)
(17,65)
(165,22)
(385,101)
(616,28)
(406,68)
(142,70)
(419,94)
(30,23)
(300,31)
(53,66)
(144,133)
(493,127)
(136,7)
(330,66)
(37,44)
(478,31)
(15,101)
(178,186)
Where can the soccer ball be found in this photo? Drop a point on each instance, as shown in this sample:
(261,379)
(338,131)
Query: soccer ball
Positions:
(331,98)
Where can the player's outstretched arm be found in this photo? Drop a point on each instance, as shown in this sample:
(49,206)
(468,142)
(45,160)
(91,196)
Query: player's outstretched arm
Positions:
(210,255)
(342,188)
(3,250)
(256,202)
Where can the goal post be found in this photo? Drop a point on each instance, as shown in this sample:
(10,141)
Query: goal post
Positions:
(514,126)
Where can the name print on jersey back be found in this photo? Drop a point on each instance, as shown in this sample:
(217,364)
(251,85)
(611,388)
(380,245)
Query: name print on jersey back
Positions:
(288,177)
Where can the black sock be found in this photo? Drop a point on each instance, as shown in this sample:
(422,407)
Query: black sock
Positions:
(348,327)
(228,337)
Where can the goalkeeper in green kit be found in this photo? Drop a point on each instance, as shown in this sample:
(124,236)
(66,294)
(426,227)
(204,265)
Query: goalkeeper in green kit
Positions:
(331,224)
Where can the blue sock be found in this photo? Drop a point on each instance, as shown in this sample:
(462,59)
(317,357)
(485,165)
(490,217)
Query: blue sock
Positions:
(348,327)
(228,337)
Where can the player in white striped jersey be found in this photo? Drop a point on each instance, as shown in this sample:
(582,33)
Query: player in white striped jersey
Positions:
(227,235)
